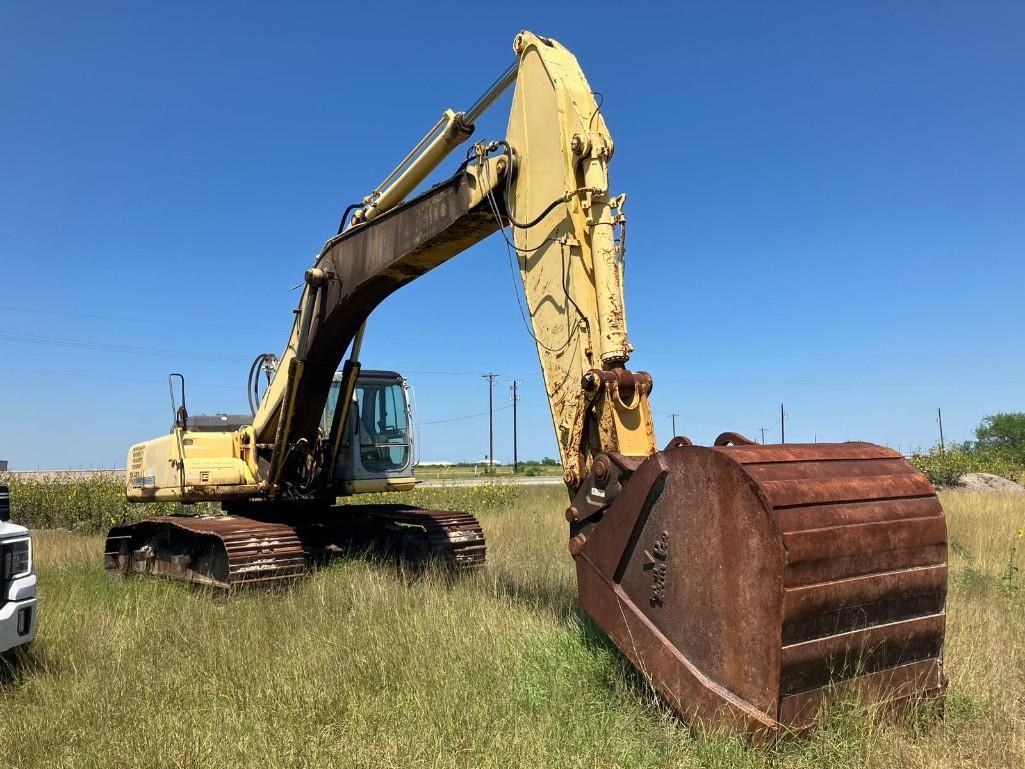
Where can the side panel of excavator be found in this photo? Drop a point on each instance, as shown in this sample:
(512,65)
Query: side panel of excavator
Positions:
(188,466)
(202,463)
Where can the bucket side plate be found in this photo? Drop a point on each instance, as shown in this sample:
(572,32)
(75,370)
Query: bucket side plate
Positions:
(752,583)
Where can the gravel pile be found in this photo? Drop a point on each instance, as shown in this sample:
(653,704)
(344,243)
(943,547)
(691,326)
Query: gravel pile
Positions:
(990,482)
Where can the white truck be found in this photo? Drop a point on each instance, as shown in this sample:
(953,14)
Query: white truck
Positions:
(17,580)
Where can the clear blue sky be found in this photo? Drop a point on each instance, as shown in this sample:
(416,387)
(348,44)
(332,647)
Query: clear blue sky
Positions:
(826,200)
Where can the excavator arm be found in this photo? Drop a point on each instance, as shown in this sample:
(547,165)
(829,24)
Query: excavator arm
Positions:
(749,583)
(548,184)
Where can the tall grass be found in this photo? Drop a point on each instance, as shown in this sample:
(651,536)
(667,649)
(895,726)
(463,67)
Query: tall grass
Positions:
(362,665)
(94,503)
(88,504)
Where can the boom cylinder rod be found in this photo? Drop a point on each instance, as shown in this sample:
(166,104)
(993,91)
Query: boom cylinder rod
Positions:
(491,95)
(430,136)
(452,130)
(451,134)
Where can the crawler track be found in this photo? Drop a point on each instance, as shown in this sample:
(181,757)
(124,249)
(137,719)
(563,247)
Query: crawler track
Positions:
(227,552)
(446,537)
(231,552)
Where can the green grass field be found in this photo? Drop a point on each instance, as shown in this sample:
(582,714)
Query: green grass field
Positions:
(364,666)
(456,472)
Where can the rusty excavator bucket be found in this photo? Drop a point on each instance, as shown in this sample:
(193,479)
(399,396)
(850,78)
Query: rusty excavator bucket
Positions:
(753,583)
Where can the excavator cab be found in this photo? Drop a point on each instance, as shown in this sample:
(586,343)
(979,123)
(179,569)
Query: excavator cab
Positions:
(377,451)
(260,543)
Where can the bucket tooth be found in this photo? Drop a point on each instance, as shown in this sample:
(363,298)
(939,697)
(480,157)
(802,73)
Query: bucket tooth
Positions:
(752,583)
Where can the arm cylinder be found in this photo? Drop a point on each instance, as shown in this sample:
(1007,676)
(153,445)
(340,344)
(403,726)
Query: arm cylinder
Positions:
(450,136)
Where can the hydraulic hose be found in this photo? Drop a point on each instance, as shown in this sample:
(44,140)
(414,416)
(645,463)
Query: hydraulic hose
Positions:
(264,360)
(345,215)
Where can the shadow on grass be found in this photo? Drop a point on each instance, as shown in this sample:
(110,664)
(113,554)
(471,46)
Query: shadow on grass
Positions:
(617,671)
(847,725)
(541,595)
(21,663)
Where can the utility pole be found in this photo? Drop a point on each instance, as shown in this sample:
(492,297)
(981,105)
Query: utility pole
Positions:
(939,418)
(782,425)
(515,397)
(674,416)
(491,377)
(762,429)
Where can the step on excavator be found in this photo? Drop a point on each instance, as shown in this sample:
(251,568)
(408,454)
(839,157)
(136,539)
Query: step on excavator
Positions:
(749,583)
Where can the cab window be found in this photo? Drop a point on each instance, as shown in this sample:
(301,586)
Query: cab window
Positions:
(383,426)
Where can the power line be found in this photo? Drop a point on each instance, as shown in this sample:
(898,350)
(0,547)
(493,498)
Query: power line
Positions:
(441,372)
(905,383)
(208,357)
(149,320)
(461,419)
(436,372)
(84,344)
(79,374)
(718,425)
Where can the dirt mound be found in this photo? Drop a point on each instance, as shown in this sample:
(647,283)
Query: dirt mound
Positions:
(990,482)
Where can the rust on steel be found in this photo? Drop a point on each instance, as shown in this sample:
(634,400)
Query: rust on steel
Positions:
(365,264)
(233,551)
(752,583)
(445,537)
(226,552)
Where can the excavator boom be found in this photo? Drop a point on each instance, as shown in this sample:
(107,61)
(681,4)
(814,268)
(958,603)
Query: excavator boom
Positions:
(749,583)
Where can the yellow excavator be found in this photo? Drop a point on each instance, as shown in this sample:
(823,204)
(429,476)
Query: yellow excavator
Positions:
(749,583)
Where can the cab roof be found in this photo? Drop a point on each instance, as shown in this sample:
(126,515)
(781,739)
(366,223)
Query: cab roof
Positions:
(372,373)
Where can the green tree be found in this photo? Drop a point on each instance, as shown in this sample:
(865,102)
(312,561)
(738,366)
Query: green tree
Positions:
(1003,432)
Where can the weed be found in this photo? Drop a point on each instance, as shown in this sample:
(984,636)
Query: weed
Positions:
(359,667)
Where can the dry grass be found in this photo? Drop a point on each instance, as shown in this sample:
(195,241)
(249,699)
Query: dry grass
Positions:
(361,666)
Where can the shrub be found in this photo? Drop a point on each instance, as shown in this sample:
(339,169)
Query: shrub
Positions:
(945,468)
(481,498)
(95,503)
(70,501)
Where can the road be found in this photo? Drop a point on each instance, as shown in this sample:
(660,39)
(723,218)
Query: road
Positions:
(433,483)
(523,480)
